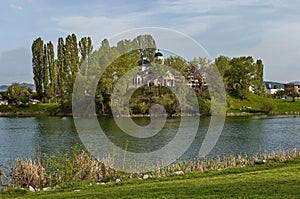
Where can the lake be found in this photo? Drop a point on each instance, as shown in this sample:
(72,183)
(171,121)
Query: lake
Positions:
(23,136)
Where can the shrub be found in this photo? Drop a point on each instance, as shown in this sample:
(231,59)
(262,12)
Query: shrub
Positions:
(268,106)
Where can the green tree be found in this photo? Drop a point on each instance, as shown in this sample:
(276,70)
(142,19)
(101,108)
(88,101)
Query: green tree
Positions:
(46,73)
(86,49)
(146,44)
(223,65)
(61,75)
(38,65)
(240,76)
(52,69)
(74,67)
(259,73)
(17,94)
(178,63)
(67,66)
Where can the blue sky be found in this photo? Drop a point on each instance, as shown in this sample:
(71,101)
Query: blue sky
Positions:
(265,29)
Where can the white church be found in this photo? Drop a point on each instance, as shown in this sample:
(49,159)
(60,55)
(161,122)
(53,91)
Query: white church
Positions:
(146,77)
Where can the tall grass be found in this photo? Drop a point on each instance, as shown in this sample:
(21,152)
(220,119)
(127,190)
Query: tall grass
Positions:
(78,165)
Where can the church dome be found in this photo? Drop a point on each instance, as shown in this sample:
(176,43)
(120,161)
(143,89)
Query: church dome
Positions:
(158,54)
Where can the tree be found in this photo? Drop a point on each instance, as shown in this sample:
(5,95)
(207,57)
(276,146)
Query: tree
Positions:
(86,49)
(17,94)
(240,76)
(45,73)
(74,67)
(52,70)
(61,76)
(178,63)
(223,65)
(146,44)
(258,85)
(38,65)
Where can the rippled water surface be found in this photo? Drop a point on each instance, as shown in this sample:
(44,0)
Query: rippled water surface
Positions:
(256,134)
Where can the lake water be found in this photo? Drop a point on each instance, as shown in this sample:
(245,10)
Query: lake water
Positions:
(23,136)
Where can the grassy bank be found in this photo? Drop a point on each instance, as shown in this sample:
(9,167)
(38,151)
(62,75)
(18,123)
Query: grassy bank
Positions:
(30,110)
(253,104)
(76,173)
(262,105)
(273,180)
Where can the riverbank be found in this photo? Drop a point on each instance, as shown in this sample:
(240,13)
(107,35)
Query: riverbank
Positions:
(272,180)
(42,109)
(252,105)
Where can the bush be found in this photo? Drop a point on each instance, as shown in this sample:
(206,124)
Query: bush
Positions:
(268,106)
(204,106)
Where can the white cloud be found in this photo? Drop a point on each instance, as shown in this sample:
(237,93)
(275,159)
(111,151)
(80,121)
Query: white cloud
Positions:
(15,7)
(280,50)
(98,27)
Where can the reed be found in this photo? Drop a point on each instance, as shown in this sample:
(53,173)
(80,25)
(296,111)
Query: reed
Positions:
(78,165)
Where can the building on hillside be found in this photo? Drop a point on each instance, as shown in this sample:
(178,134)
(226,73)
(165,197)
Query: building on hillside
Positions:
(146,77)
(292,89)
(273,87)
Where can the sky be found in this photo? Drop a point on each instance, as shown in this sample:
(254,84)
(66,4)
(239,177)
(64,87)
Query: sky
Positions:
(265,29)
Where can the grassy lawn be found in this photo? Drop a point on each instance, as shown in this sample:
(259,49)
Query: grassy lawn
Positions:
(255,104)
(274,180)
(32,108)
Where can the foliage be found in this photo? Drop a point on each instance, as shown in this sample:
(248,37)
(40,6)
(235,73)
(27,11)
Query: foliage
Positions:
(54,78)
(204,106)
(38,65)
(268,106)
(18,95)
(241,73)
(178,63)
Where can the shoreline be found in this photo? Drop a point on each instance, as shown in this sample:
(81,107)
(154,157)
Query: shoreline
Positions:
(45,113)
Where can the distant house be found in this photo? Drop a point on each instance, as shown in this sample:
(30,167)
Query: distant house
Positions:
(34,101)
(292,89)
(3,102)
(273,87)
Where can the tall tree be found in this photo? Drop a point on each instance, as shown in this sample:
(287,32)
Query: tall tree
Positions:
(45,73)
(86,49)
(67,81)
(146,44)
(259,86)
(74,67)
(52,69)
(61,76)
(37,65)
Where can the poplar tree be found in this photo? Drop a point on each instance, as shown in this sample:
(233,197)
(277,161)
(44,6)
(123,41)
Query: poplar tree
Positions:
(61,76)
(45,73)
(52,69)
(37,49)
(86,49)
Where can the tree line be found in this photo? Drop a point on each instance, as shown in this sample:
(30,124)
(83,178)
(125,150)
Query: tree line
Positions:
(54,75)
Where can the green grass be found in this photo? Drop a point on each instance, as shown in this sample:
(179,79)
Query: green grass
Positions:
(255,104)
(43,108)
(274,180)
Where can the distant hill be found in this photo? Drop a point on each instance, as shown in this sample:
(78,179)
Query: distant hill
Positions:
(295,82)
(5,87)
